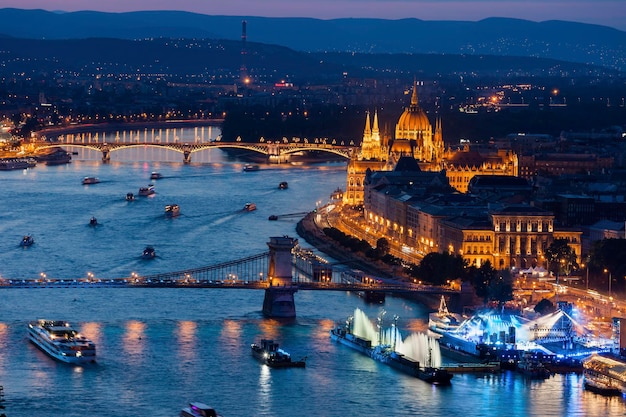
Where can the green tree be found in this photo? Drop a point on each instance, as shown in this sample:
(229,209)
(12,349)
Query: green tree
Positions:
(438,268)
(561,257)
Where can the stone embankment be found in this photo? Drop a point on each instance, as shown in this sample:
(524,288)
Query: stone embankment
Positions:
(310,231)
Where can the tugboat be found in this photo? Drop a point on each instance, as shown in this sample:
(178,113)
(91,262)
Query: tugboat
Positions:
(172,210)
(148,253)
(283,185)
(271,355)
(198,409)
(93,221)
(27,240)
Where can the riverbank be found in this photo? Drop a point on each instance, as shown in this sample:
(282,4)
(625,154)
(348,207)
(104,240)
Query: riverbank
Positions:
(310,231)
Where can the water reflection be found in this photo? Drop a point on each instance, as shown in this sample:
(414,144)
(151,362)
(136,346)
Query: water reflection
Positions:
(133,343)
(187,340)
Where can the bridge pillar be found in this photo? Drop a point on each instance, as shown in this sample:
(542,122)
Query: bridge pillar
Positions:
(186,154)
(279,301)
(106,154)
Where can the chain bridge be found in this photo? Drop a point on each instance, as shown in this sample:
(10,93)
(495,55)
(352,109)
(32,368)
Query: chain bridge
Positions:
(282,271)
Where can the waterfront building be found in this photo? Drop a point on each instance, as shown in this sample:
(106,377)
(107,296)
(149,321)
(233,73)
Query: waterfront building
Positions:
(462,165)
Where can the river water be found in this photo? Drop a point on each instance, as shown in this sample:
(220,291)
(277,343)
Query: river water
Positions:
(160,348)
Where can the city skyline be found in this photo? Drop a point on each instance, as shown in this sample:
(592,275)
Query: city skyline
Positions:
(610,13)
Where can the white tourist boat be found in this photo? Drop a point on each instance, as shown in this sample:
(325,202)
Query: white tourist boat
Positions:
(60,341)
(442,320)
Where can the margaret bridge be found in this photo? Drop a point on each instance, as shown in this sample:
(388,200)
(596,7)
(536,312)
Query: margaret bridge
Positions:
(177,140)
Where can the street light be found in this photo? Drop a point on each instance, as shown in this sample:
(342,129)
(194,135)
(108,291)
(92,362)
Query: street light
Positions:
(606,270)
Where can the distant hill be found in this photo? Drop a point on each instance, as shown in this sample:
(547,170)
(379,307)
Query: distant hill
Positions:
(568,41)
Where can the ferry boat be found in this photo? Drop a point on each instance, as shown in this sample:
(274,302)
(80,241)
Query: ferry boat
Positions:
(385,354)
(148,253)
(268,353)
(197,409)
(442,320)
(251,167)
(147,191)
(249,207)
(27,240)
(172,210)
(283,185)
(60,341)
(90,180)
(130,197)
(156,176)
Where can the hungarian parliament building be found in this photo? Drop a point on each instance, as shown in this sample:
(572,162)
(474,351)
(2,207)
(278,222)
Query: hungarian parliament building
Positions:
(426,198)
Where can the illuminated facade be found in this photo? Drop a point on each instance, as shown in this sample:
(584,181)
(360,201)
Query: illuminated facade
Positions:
(463,164)
(372,156)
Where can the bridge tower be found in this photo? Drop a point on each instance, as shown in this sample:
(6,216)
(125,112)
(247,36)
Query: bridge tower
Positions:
(106,153)
(279,301)
(186,154)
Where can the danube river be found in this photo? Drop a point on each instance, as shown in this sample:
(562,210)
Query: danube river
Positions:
(160,348)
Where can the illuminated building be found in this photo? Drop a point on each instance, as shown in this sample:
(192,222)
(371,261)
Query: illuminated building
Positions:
(464,164)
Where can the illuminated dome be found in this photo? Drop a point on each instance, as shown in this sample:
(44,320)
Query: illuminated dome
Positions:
(413,130)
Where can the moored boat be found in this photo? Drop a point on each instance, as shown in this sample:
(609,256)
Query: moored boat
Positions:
(147,191)
(269,353)
(90,180)
(385,354)
(172,210)
(8,164)
(27,240)
(148,253)
(249,207)
(343,334)
(604,375)
(60,341)
(442,320)
(530,366)
(198,409)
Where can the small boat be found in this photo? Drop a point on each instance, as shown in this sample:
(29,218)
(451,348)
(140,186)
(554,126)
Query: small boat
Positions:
(27,240)
(283,185)
(249,207)
(60,341)
(93,221)
(130,197)
(172,210)
(251,167)
(271,355)
(197,409)
(90,180)
(156,176)
(148,253)
(146,191)
(273,217)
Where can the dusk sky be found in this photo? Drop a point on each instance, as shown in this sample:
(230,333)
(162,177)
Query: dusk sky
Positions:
(604,12)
